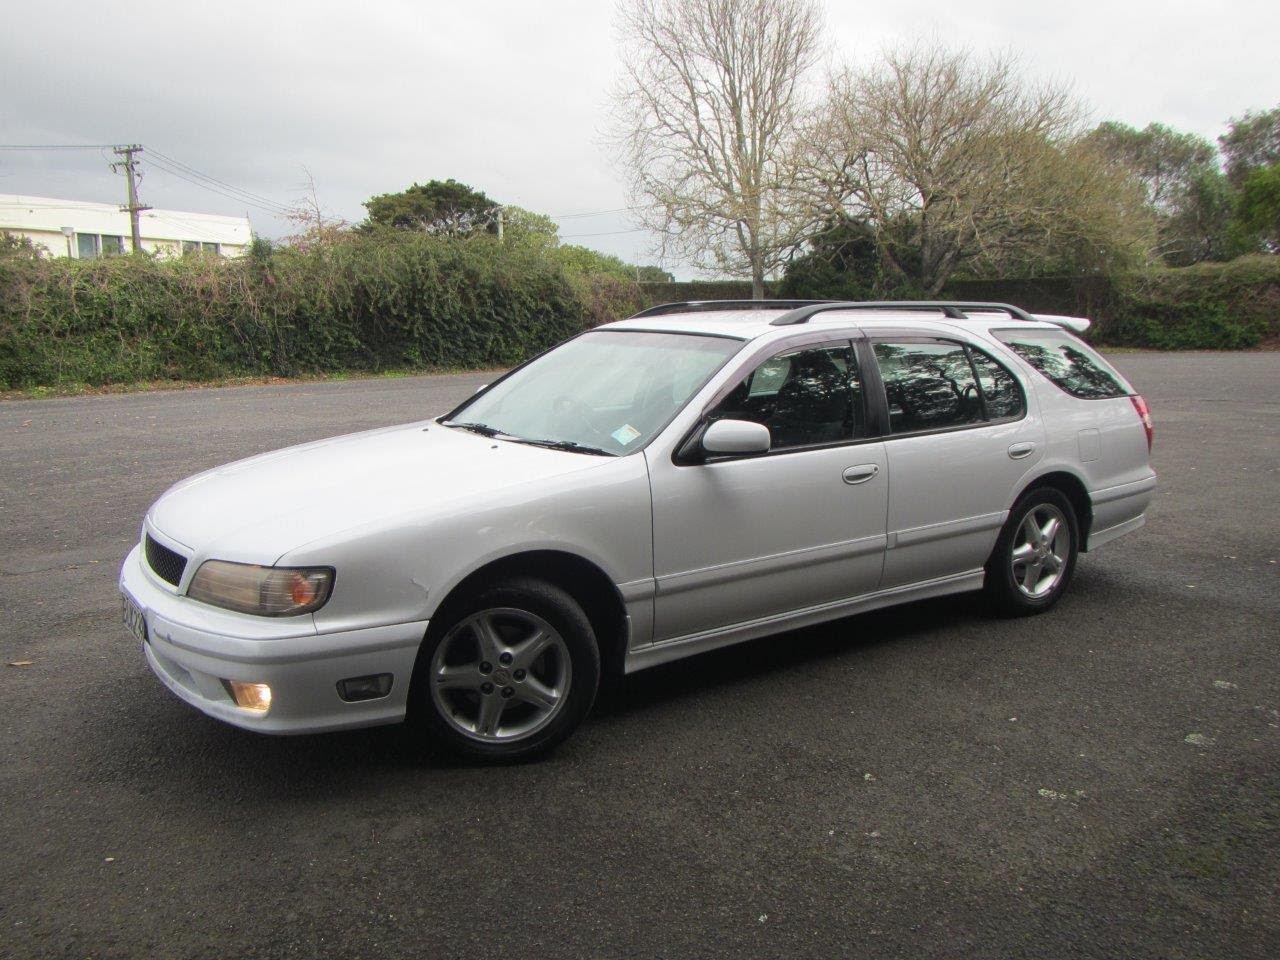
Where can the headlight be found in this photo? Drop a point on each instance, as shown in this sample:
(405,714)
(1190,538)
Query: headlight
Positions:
(265,591)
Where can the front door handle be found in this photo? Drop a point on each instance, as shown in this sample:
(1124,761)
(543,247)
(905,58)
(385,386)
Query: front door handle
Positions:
(861,473)
(1020,450)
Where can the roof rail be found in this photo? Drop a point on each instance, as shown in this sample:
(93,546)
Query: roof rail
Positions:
(710,306)
(951,309)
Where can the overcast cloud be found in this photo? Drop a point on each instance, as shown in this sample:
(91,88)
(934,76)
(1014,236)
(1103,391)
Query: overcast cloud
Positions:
(510,97)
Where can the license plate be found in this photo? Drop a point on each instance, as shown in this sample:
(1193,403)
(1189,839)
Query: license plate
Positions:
(133,618)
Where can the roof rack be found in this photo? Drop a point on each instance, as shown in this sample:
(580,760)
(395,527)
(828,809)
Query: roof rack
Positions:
(951,309)
(709,306)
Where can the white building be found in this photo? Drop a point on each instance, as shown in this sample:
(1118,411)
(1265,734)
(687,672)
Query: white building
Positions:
(74,228)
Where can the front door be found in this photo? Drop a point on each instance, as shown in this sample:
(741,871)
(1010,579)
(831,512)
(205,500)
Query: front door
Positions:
(742,539)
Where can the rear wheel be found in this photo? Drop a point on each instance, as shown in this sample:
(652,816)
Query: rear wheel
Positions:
(1035,555)
(509,673)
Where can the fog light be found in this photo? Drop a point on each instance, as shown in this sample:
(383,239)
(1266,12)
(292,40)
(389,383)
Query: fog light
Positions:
(365,688)
(251,696)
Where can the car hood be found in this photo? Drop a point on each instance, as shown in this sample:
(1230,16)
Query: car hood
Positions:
(257,510)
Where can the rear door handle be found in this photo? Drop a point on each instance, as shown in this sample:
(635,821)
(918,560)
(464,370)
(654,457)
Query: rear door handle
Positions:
(861,473)
(1020,450)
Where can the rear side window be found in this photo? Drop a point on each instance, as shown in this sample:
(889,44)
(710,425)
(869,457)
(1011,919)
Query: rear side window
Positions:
(1066,362)
(929,386)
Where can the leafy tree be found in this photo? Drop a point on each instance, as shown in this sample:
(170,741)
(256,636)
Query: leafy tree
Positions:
(958,165)
(444,207)
(651,274)
(524,226)
(1259,206)
(1251,141)
(709,109)
(1179,175)
(841,262)
(1163,160)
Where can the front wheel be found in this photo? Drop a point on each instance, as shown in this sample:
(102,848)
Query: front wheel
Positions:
(507,674)
(1035,555)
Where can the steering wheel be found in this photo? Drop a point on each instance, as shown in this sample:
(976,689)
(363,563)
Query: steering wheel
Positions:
(566,405)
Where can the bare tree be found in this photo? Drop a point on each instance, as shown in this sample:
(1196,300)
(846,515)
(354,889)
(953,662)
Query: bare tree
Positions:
(951,160)
(707,115)
(315,228)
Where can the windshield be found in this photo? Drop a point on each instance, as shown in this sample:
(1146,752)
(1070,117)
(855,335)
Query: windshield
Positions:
(605,392)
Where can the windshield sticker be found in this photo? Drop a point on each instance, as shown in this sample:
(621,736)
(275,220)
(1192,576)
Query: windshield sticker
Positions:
(625,434)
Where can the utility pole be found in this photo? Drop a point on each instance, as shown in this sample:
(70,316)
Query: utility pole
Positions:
(500,225)
(133,207)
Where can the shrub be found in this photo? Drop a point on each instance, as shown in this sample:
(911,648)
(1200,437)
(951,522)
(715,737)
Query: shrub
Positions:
(365,303)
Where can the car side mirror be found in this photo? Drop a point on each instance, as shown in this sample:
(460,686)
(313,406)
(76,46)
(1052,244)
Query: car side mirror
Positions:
(736,437)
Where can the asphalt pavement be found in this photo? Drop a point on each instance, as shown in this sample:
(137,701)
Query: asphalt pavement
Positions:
(1102,781)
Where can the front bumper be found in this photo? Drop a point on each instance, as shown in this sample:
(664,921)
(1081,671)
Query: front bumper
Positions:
(193,648)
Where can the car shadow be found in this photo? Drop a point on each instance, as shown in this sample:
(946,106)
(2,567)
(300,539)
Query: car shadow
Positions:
(782,652)
(175,751)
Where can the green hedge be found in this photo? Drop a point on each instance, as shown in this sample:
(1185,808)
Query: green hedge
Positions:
(1214,306)
(371,303)
(363,304)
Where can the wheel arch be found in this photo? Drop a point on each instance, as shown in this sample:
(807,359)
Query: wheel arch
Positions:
(1074,489)
(583,580)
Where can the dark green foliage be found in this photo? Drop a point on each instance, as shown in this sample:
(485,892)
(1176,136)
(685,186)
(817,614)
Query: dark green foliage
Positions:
(1259,206)
(685,291)
(1211,306)
(654,275)
(366,303)
(842,262)
(440,206)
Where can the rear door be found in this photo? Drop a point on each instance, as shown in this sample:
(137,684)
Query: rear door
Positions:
(960,442)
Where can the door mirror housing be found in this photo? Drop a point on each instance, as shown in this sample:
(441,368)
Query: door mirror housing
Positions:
(736,438)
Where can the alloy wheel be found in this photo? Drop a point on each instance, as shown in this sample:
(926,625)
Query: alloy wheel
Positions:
(500,675)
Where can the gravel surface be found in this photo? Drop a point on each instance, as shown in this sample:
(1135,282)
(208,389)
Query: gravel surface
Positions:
(1102,781)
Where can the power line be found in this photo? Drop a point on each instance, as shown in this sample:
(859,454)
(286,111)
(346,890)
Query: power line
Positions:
(606,233)
(56,146)
(214,180)
(270,206)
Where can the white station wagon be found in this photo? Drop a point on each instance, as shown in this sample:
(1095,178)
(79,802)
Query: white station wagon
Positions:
(696,475)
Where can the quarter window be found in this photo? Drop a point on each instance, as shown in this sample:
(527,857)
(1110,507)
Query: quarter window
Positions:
(1066,362)
(929,386)
(999,386)
(804,397)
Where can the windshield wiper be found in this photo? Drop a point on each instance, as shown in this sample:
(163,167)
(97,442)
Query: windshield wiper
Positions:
(481,428)
(570,446)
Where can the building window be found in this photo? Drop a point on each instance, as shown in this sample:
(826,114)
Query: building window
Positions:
(200,246)
(90,246)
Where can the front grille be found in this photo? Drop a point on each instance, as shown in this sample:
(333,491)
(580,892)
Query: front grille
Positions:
(167,564)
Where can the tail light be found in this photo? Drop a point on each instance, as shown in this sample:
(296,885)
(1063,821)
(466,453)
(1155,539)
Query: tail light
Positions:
(1144,414)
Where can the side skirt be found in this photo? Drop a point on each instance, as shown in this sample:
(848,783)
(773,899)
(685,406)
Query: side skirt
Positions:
(693,643)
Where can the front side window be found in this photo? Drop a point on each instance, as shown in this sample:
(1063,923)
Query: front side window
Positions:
(1066,362)
(929,386)
(804,397)
(609,390)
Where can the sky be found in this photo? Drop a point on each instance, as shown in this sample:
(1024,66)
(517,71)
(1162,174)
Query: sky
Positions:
(509,97)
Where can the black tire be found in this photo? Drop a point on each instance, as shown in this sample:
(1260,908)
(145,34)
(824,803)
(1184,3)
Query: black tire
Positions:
(443,716)
(1005,590)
